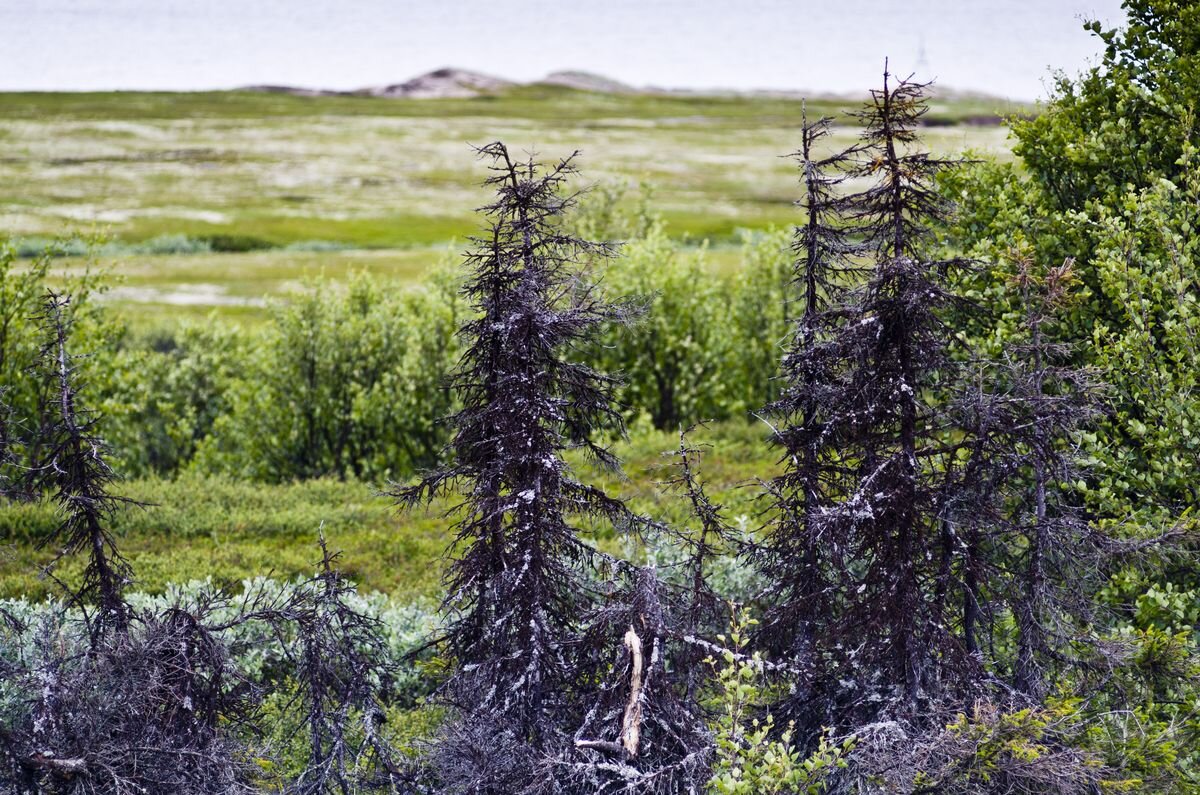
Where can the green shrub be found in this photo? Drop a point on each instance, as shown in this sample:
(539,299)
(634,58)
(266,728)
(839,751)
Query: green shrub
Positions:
(162,399)
(235,243)
(166,244)
(1109,175)
(674,360)
(762,316)
(708,346)
(753,757)
(342,384)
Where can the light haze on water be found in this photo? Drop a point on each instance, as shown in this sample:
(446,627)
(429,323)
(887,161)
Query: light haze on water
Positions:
(1004,47)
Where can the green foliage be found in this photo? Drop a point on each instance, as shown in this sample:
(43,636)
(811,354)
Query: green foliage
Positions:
(708,345)
(1110,178)
(673,360)
(763,314)
(1128,120)
(607,212)
(347,380)
(752,756)
(23,285)
(1109,175)
(163,396)
(1146,726)
(1016,735)
(343,384)
(995,750)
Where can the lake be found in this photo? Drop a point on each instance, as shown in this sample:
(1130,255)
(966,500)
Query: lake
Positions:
(1004,47)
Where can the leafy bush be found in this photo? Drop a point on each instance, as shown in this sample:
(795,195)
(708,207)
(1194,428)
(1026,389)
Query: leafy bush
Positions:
(23,287)
(753,756)
(763,311)
(163,398)
(342,384)
(708,346)
(235,243)
(673,362)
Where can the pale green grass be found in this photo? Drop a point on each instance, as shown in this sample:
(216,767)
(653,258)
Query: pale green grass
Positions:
(396,176)
(194,527)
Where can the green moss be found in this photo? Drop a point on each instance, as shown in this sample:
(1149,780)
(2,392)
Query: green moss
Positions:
(196,527)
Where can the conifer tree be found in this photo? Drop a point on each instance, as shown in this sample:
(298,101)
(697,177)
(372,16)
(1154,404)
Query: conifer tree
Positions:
(71,467)
(517,586)
(341,666)
(825,262)
(1048,519)
(701,608)
(1043,549)
(862,558)
(887,429)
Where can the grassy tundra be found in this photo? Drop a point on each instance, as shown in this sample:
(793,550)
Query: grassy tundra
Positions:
(215,200)
(214,203)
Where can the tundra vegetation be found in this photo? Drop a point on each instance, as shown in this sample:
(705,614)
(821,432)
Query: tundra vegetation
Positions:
(923,519)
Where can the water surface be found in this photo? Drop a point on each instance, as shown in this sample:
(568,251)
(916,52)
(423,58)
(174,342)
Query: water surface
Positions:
(1004,47)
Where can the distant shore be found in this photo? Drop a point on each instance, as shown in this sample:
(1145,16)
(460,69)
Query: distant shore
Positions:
(454,83)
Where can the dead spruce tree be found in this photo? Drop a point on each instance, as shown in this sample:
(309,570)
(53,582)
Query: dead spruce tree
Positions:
(71,466)
(702,610)
(143,710)
(107,700)
(1041,549)
(643,730)
(895,446)
(826,261)
(341,667)
(1055,399)
(859,547)
(517,586)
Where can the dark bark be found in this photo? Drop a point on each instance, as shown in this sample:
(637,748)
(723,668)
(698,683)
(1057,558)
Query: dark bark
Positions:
(518,584)
(72,467)
(858,543)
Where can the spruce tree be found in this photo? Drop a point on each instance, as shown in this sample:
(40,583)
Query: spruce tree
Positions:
(72,467)
(825,263)
(341,666)
(517,585)
(701,609)
(1042,549)
(888,428)
(861,558)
